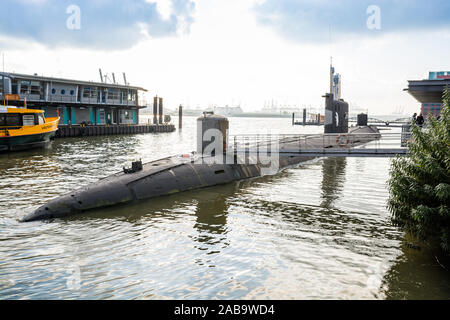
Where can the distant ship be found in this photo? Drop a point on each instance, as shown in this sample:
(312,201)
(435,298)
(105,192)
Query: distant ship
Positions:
(237,111)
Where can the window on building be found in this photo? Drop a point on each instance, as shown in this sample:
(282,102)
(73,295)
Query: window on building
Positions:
(36,88)
(53,91)
(72,92)
(14,87)
(113,94)
(132,95)
(102,116)
(93,93)
(28,120)
(86,92)
(63,92)
(25,87)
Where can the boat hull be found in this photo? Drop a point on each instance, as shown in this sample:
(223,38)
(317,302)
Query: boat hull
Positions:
(24,142)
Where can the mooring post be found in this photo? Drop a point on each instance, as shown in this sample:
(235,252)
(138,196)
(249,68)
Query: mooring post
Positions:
(160,110)
(155,110)
(293,118)
(180,117)
(304,117)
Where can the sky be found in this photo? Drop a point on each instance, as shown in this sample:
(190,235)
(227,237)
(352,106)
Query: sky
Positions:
(201,53)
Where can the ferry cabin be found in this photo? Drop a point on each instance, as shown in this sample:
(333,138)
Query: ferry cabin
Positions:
(76,102)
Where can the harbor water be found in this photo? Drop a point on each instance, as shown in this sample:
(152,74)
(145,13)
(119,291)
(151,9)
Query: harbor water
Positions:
(320,230)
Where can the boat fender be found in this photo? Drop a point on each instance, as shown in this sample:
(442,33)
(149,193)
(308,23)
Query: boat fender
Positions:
(342,140)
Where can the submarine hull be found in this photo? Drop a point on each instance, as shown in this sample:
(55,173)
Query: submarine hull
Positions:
(159,178)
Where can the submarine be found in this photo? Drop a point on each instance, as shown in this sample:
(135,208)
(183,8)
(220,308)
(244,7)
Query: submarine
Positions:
(199,169)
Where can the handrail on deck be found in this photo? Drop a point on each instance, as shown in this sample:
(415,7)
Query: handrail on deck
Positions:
(396,142)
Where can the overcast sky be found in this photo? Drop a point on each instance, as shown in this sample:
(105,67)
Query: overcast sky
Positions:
(247,52)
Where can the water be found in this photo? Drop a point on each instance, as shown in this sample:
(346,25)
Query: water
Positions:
(317,231)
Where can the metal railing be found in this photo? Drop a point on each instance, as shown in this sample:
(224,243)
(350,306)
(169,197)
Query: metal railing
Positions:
(57,98)
(356,144)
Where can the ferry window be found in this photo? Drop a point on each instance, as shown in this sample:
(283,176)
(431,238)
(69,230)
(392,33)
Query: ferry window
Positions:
(63,92)
(13,120)
(41,119)
(28,120)
(2,120)
(53,91)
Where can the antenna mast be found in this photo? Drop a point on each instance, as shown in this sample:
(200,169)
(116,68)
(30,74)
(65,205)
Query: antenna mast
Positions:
(101,75)
(331,74)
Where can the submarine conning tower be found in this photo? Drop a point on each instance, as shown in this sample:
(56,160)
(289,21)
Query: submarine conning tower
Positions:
(212,134)
(336,109)
(336,115)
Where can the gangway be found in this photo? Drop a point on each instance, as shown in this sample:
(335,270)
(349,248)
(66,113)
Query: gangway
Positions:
(386,144)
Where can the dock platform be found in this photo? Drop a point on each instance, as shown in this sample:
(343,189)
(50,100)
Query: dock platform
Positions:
(66,131)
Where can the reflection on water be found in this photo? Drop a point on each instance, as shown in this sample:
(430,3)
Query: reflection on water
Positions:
(333,178)
(211,220)
(317,231)
(418,274)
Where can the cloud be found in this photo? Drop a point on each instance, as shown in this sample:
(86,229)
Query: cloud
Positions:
(95,24)
(310,20)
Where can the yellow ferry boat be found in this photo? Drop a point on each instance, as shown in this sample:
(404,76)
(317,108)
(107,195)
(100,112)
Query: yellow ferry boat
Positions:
(22,128)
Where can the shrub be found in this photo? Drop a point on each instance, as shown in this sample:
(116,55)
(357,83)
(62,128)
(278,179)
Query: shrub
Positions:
(419,185)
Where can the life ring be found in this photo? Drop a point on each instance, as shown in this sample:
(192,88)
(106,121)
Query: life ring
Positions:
(342,140)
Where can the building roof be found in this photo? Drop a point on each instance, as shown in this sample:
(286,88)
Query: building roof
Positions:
(426,91)
(68,81)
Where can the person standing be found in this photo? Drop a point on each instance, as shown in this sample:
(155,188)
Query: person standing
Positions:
(420,120)
(414,117)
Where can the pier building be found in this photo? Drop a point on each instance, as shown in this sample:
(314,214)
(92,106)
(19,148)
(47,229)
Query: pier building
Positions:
(429,92)
(77,102)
